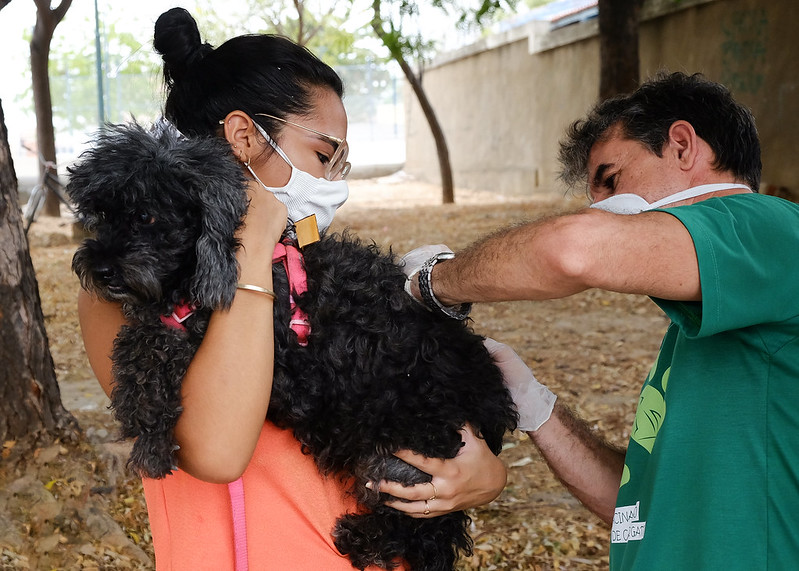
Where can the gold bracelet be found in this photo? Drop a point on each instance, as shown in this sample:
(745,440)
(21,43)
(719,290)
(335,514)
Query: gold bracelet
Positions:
(256,288)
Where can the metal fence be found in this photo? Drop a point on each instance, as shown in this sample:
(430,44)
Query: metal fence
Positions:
(373,99)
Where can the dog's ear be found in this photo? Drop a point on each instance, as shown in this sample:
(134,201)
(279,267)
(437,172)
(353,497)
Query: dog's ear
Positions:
(222,198)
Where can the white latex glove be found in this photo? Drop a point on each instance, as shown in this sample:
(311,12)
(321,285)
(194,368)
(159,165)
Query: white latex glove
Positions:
(413,260)
(534,401)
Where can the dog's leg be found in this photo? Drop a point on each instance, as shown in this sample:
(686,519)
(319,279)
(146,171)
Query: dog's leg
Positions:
(386,537)
(149,364)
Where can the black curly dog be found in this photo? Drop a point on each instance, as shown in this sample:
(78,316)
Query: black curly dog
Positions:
(379,373)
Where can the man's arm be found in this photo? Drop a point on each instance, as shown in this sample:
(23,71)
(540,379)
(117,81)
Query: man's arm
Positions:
(590,468)
(584,463)
(587,466)
(650,253)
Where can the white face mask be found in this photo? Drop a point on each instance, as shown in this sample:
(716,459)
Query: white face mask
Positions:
(304,194)
(633,204)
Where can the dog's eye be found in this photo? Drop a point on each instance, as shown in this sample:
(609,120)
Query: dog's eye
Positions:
(145,218)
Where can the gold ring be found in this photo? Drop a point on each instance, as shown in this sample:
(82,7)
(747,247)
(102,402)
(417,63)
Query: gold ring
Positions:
(426,508)
(435,492)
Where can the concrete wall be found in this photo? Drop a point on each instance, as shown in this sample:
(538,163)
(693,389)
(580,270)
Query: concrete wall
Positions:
(504,103)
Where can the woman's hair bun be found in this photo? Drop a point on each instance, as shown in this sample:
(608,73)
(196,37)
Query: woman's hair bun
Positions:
(177,40)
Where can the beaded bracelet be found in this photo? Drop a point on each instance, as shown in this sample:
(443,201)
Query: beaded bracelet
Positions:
(460,311)
(256,288)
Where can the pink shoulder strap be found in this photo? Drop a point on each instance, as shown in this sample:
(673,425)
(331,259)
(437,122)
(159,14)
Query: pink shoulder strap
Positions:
(236,491)
(291,258)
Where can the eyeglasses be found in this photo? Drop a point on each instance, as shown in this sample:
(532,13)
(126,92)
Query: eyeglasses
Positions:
(337,166)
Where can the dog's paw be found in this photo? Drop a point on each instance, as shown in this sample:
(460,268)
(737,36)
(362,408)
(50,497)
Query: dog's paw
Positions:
(153,456)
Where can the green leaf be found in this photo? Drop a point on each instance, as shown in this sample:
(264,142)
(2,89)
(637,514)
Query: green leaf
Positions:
(649,417)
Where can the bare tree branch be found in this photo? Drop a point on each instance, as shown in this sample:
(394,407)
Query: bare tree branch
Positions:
(298,5)
(61,10)
(311,34)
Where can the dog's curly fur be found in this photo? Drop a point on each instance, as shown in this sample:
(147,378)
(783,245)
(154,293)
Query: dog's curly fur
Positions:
(379,373)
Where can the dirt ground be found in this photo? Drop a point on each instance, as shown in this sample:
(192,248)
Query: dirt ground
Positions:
(74,506)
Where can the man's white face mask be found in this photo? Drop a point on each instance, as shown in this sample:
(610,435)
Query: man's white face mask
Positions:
(633,204)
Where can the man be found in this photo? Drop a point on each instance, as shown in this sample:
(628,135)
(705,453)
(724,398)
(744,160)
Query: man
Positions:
(710,479)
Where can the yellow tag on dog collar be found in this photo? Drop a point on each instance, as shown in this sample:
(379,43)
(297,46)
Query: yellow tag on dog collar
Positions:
(307,231)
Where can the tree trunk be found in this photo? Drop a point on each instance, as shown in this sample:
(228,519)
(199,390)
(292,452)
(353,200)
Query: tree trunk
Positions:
(618,46)
(447,185)
(30,400)
(46,22)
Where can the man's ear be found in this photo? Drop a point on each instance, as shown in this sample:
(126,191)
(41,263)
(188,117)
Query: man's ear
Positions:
(241,134)
(683,144)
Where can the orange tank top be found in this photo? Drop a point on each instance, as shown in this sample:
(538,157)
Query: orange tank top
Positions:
(290,510)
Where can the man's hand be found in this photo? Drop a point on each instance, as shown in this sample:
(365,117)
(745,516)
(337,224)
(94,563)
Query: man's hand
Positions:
(473,478)
(533,401)
(412,262)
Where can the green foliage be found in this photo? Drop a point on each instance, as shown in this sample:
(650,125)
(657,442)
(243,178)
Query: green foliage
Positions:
(336,46)
(130,70)
(123,52)
(322,27)
(536,3)
(398,30)
(496,11)
(397,21)
(131,74)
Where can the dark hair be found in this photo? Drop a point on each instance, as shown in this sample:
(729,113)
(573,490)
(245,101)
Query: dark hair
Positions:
(259,73)
(647,114)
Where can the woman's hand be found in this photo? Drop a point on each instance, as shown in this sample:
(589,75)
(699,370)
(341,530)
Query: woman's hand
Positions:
(266,216)
(473,478)
(263,226)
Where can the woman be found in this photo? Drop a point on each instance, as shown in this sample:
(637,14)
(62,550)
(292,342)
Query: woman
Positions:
(280,109)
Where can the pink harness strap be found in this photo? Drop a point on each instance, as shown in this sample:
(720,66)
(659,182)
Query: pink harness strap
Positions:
(180,314)
(291,258)
(236,492)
